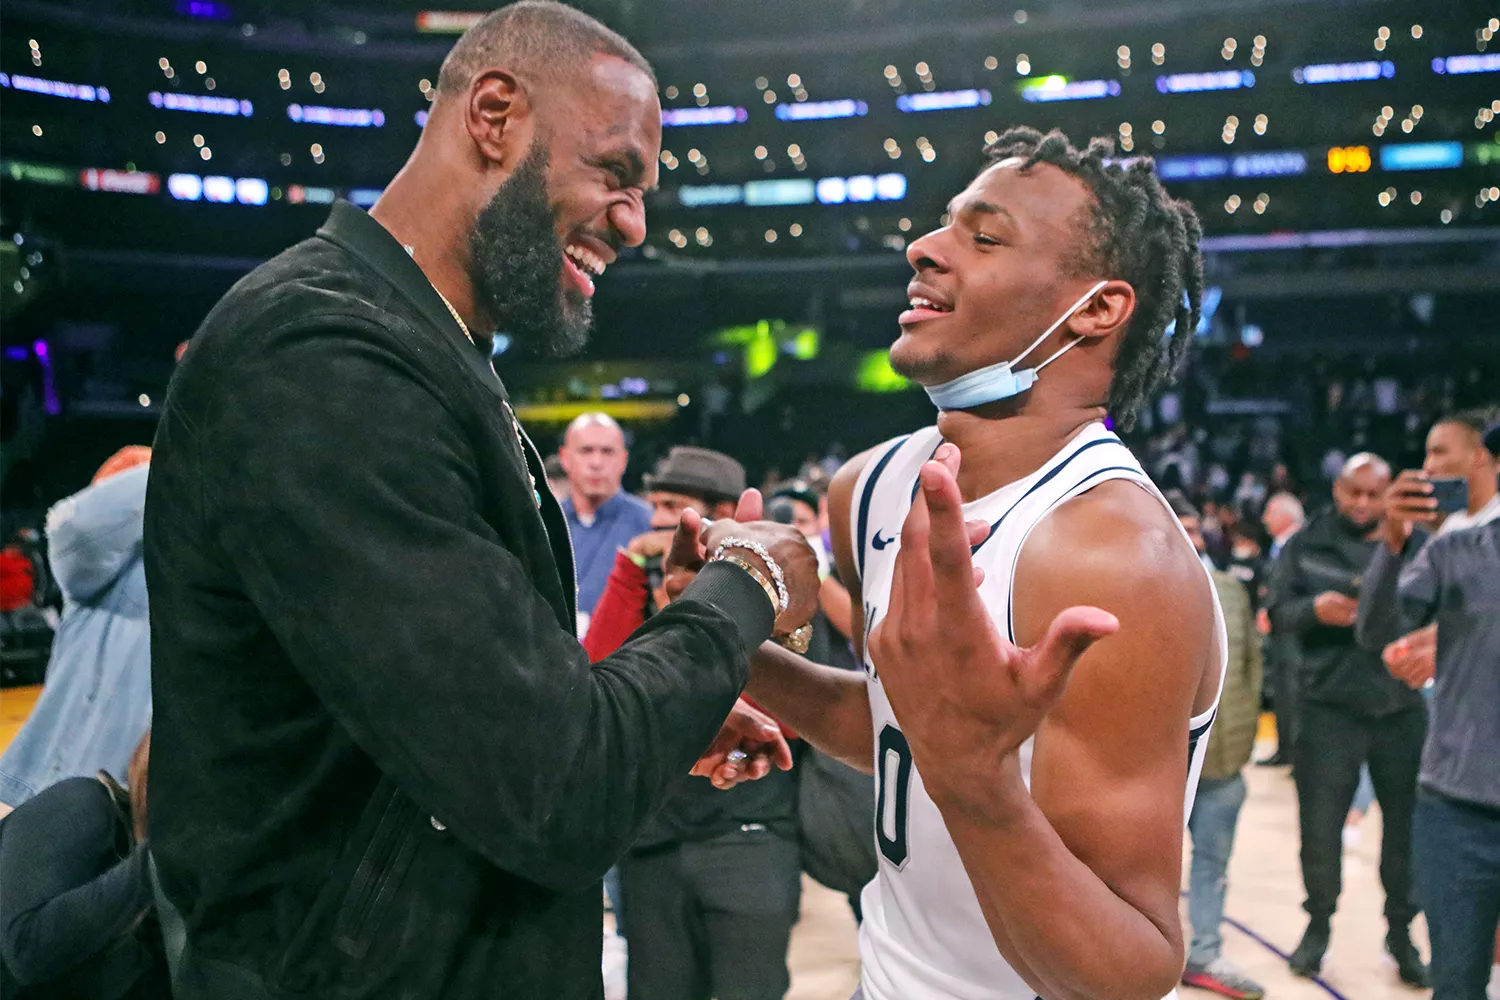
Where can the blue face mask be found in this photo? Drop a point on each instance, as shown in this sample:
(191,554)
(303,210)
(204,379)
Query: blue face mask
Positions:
(996,382)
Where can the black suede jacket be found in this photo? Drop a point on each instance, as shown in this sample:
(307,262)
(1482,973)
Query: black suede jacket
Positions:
(382,766)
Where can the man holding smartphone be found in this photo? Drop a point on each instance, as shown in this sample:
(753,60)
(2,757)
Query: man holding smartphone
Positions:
(1461,472)
(1451,582)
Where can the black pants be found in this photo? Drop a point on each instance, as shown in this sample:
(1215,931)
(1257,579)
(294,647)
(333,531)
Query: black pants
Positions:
(712,918)
(1458,882)
(1281,657)
(1332,745)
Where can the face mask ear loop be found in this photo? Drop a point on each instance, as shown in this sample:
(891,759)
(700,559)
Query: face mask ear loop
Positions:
(1066,316)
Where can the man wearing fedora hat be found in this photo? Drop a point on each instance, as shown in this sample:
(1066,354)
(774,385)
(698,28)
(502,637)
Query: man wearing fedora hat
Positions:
(710,891)
(707,481)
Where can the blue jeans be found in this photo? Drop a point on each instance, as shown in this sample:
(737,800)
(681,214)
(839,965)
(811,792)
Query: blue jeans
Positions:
(1216,811)
(1456,854)
(612,889)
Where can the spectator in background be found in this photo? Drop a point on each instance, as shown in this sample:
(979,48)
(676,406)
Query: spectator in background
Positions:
(1352,711)
(1282,519)
(1456,449)
(1452,581)
(1221,788)
(700,479)
(75,917)
(602,517)
(96,702)
(710,890)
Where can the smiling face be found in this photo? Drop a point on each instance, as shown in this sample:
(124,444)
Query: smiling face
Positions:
(990,282)
(567,208)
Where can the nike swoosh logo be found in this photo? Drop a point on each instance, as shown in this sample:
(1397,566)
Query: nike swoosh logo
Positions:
(880,543)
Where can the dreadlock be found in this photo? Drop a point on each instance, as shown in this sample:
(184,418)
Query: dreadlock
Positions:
(1140,234)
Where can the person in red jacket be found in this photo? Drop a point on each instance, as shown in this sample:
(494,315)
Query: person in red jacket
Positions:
(707,481)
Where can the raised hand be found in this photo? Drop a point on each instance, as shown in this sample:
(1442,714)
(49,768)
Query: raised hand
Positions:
(965,697)
(695,541)
(1408,501)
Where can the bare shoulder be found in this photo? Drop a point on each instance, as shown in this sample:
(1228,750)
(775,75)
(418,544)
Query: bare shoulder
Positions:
(1119,547)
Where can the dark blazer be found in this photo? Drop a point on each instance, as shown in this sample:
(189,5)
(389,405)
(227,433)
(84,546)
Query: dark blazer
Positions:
(382,766)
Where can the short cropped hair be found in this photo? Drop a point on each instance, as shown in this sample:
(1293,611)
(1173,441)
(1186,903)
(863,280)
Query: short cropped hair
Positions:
(543,39)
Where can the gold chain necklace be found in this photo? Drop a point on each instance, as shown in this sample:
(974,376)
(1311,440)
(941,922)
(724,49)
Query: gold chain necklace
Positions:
(515,423)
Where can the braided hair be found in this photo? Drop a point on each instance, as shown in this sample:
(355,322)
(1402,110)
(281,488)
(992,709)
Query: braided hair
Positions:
(1136,232)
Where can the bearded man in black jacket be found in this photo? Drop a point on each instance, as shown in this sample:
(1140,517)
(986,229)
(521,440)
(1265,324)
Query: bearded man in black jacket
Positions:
(387,769)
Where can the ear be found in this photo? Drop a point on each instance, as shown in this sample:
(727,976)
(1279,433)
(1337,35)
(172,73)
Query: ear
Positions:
(499,117)
(1107,313)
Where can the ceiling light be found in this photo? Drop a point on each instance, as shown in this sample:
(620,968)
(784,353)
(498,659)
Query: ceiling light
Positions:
(904,225)
(793,80)
(1232,204)
(991,136)
(795,229)
(36,130)
(671,93)
(161,137)
(770,236)
(1158,53)
(761,83)
(699,90)
(206,153)
(1416,31)
(990,62)
(198,141)
(1159,127)
(1023,64)
(1416,197)
(760,152)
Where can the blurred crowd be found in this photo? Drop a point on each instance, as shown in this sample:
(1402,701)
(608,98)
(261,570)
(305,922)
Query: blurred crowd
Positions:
(1352,531)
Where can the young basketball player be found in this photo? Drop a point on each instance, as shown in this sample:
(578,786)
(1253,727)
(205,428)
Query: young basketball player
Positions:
(1043,648)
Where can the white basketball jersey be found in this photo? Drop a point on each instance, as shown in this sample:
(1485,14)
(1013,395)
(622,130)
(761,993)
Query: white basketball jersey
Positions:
(923,936)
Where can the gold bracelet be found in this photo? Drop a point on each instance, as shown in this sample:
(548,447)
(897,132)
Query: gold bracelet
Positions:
(758,577)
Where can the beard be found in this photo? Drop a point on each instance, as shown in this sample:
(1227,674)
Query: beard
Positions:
(516,265)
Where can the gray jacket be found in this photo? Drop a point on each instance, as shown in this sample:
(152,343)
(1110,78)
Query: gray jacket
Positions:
(1453,580)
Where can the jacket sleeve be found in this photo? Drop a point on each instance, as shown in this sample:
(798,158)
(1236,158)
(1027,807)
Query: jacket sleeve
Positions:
(1255,656)
(1397,596)
(95,534)
(342,486)
(620,611)
(58,909)
(1288,601)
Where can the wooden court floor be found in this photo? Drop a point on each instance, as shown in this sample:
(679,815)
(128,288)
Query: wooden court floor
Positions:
(1265,896)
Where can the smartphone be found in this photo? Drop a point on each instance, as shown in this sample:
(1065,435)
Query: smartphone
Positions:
(1451,493)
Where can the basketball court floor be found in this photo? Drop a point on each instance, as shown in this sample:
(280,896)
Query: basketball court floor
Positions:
(1264,905)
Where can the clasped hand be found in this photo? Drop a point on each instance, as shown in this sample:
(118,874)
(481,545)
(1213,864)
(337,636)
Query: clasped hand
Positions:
(750,741)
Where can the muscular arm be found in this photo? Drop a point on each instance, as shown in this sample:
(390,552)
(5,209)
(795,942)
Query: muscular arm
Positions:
(1079,878)
(828,707)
